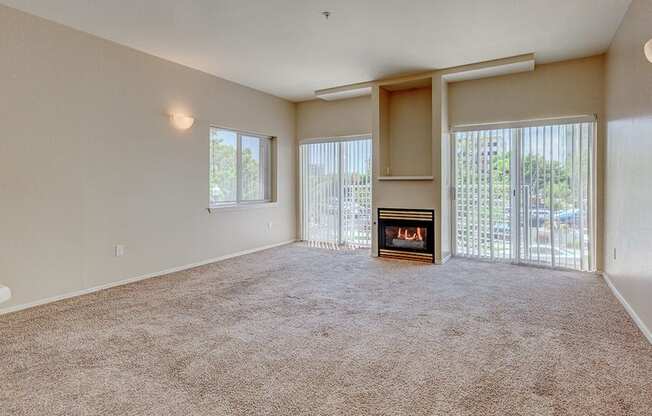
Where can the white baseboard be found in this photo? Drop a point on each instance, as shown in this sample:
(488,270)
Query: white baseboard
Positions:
(632,313)
(69,295)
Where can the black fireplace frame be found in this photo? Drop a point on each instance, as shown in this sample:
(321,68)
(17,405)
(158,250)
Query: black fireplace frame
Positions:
(404,217)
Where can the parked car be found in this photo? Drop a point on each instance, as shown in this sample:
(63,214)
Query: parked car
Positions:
(569,216)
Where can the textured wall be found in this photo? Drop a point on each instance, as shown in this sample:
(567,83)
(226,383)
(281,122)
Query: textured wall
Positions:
(89,159)
(410,132)
(319,118)
(628,219)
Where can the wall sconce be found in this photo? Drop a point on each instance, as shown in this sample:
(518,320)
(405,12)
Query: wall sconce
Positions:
(5,293)
(648,50)
(181,121)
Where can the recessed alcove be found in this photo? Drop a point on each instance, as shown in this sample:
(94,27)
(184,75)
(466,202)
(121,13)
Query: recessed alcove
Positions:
(405,135)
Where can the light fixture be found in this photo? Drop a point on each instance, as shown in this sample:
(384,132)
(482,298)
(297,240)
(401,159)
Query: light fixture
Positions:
(182,121)
(5,293)
(648,50)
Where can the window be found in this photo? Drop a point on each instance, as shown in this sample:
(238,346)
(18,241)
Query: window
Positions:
(240,168)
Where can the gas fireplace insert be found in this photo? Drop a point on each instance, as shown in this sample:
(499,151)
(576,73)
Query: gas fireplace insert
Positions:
(406,234)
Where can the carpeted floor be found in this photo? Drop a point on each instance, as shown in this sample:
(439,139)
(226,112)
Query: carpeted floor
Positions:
(304,331)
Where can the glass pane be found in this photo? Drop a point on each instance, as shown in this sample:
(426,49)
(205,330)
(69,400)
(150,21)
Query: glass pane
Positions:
(483,193)
(255,168)
(554,198)
(356,193)
(223,158)
(320,178)
(336,193)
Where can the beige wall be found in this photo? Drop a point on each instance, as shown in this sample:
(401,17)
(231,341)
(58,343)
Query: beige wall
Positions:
(88,159)
(567,88)
(560,89)
(320,119)
(383,143)
(410,132)
(628,216)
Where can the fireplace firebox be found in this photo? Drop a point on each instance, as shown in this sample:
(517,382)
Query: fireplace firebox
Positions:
(406,234)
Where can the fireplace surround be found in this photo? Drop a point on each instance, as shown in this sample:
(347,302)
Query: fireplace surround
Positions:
(406,234)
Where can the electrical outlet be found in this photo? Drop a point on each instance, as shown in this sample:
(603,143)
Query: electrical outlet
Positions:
(119,250)
(269,226)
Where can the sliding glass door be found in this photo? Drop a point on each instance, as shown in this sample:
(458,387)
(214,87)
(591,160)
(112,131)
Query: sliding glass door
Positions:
(336,192)
(555,200)
(525,193)
(483,203)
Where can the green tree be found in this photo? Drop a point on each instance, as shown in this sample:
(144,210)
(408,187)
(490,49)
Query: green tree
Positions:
(223,173)
(546,176)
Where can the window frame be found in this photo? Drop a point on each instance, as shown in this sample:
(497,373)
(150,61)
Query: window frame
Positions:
(269,187)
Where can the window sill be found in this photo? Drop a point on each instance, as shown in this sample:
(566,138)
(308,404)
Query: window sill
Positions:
(238,207)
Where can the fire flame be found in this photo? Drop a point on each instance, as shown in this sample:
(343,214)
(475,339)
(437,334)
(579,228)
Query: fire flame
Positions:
(405,235)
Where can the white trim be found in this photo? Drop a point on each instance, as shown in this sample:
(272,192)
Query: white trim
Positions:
(516,180)
(593,172)
(243,205)
(452,194)
(406,178)
(241,131)
(28,305)
(466,74)
(349,138)
(339,93)
(525,123)
(632,313)
(301,183)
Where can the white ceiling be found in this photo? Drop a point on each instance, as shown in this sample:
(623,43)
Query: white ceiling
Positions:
(287,48)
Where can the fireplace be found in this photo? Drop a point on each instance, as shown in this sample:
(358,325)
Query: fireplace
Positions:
(406,234)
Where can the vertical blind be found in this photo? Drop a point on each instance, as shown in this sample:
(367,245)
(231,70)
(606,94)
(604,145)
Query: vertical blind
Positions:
(525,194)
(483,203)
(336,192)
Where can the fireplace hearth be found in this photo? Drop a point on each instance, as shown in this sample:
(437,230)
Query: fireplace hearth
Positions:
(406,234)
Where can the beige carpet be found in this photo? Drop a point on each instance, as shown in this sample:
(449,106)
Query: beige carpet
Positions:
(305,331)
